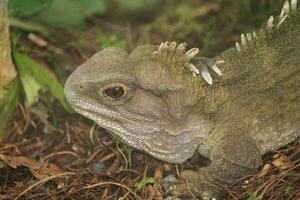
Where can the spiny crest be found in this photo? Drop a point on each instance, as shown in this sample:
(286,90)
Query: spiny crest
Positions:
(173,55)
(271,24)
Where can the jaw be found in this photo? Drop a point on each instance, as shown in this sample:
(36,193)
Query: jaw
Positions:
(150,132)
(148,136)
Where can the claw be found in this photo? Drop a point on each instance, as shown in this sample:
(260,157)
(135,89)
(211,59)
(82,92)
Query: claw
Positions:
(160,47)
(172,46)
(216,69)
(249,36)
(220,62)
(243,40)
(181,47)
(254,34)
(202,68)
(286,7)
(165,45)
(270,23)
(285,10)
(282,20)
(294,5)
(214,66)
(205,74)
(238,47)
(193,69)
(192,52)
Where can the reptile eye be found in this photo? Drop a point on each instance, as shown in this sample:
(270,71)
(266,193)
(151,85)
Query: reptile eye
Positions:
(115,92)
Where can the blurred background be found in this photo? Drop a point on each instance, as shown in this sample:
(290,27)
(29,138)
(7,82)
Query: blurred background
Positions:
(50,38)
(209,25)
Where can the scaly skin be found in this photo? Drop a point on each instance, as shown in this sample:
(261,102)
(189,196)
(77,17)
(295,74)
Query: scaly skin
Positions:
(150,100)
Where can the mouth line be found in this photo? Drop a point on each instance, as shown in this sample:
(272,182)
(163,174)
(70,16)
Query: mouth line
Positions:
(120,131)
(84,105)
(84,108)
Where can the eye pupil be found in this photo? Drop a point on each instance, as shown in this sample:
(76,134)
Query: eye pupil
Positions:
(114,92)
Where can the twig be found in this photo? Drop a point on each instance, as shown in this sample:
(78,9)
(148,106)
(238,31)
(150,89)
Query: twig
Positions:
(123,155)
(61,153)
(110,183)
(42,182)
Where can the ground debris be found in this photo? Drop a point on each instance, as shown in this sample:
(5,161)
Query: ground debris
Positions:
(66,165)
(278,179)
(38,170)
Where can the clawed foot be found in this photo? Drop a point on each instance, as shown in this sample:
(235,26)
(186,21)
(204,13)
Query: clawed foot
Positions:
(192,184)
(201,66)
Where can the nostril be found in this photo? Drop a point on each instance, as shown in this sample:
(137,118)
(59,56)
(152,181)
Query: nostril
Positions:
(80,86)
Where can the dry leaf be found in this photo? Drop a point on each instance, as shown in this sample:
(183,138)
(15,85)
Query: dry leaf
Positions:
(265,170)
(282,162)
(38,170)
(158,172)
(167,167)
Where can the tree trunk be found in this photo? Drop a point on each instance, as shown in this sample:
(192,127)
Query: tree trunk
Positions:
(7,69)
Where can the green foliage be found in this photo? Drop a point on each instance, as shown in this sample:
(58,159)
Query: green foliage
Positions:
(80,42)
(139,185)
(254,196)
(71,13)
(288,190)
(177,23)
(40,77)
(28,26)
(8,104)
(107,40)
(31,88)
(131,5)
(27,8)
(57,13)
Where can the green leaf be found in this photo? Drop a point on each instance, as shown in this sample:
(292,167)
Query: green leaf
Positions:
(71,13)
(8,104)
(132,5)
(107,40)
(31,88)
(139,185)
(28,26)
(26,65)
(254,196)
(27,8)
(288,190)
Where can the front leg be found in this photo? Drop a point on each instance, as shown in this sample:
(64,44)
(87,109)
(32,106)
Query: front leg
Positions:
(231,159)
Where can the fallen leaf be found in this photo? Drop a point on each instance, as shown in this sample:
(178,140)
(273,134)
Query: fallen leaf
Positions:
(282,162)
(38,169)
(265,170)
(42,112)
(167,167)
(158,172)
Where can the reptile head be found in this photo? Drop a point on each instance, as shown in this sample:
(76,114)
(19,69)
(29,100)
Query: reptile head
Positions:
(143,98)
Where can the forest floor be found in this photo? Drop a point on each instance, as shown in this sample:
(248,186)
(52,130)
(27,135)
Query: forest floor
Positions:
(50,154)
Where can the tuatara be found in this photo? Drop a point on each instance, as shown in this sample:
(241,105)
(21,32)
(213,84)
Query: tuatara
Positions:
(155,100)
